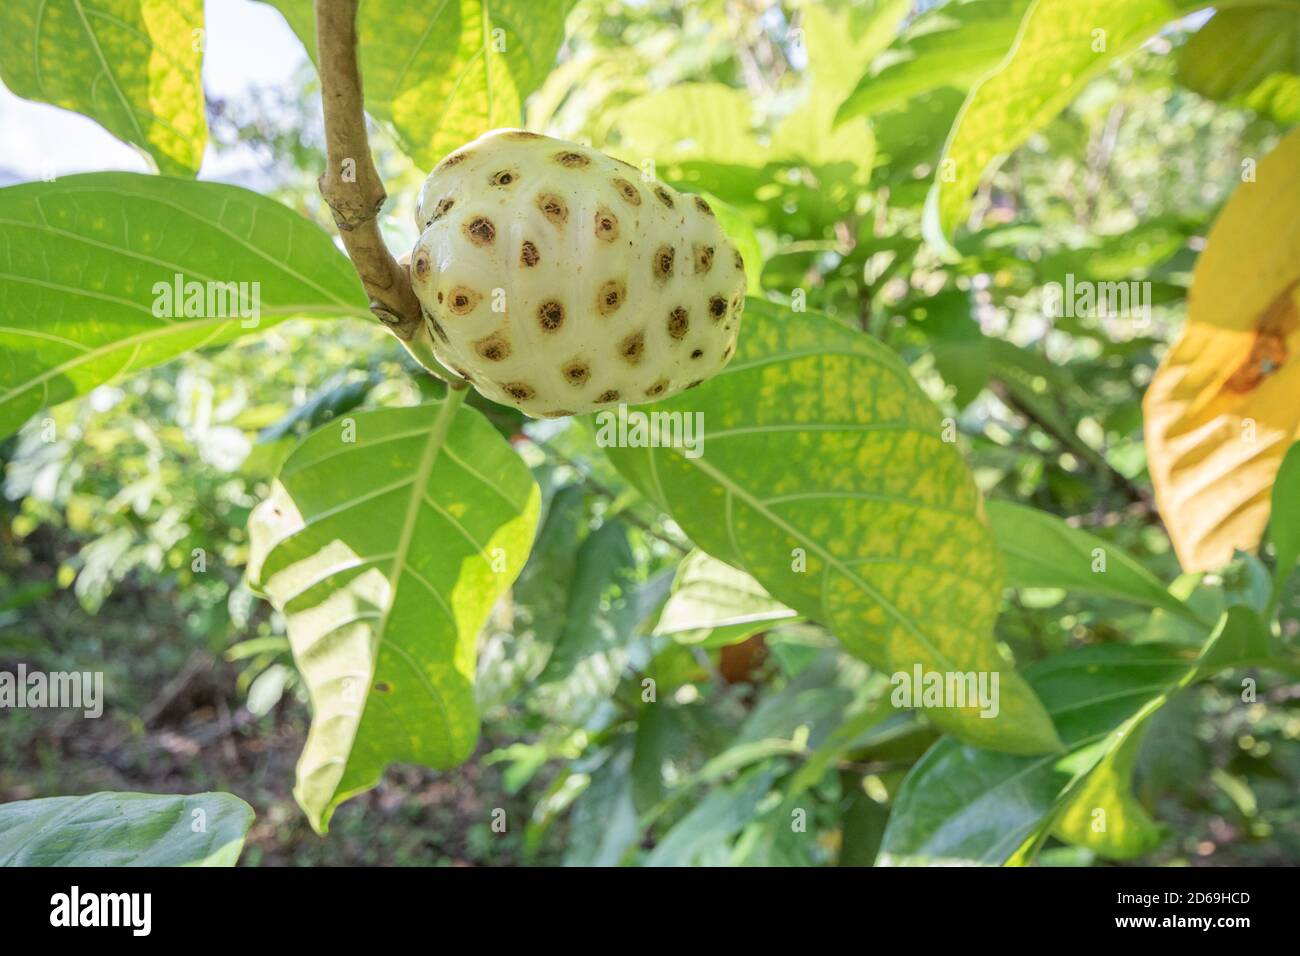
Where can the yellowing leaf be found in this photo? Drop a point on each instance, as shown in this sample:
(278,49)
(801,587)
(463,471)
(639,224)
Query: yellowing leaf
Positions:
(1224,405)
(132,65)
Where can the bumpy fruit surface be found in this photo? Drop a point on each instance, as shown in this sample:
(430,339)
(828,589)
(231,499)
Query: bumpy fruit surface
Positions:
(557,280)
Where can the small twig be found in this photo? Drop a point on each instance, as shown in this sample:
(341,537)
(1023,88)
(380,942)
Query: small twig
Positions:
(1071,443)
(350,183)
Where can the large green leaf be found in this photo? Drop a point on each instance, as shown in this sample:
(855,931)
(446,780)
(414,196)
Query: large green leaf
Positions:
(825,476)
(1042,551)
(1251,55)
(962,804)
(444,73)
(952,45)
(1061,46)
(387,539)
(132,65)
(124,829)
(84,259)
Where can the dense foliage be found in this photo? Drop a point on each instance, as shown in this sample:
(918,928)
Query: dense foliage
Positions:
(916,458)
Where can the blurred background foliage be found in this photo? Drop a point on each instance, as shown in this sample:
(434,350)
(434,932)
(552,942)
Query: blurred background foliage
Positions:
(123,541)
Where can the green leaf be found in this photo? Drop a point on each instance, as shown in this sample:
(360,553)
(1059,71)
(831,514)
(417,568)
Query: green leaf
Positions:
(961,804)
(443,74)
(124,829)
(1250,55)
(132,65)
(542,591)
(953,45)
(825,477)
(86,259)
(710,826)
(1060,47)
(1284,521)
(385,542)
(1042,551)
(690,121)
(840,44)
(709,596)
(601,613)
(604,824)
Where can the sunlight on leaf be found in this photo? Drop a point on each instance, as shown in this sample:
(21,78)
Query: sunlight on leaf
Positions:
(86,257)
(132,65)
(388,537)
(445,73)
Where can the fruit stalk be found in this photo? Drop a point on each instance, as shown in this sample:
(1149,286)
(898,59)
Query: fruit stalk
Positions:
(351,185)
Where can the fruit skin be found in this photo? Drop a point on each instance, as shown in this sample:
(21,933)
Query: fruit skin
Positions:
(558,281)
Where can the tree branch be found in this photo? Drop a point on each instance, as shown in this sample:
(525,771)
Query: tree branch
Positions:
(350,183)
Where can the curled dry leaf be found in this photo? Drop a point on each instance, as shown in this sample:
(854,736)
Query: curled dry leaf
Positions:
(1224,405)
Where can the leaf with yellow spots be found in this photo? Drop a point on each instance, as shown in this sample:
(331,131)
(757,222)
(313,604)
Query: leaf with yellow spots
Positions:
(443,74)
(824,474)
(1224,405)
(134,66)
(389,536)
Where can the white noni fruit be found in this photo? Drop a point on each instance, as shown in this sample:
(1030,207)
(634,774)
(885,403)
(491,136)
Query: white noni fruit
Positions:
(555,280)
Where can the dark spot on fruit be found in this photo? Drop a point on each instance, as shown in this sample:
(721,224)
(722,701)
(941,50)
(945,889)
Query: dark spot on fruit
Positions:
(480,231)
(384,687)
(632,348)
(553,208)
(462,300)
(698,353)
(663,262)
(550,315)
(717,307)
(521,134)
(572,160)
(627,190)
(606,225)
(440,297)
(557,413)
(462,373)
(736,258)
(664,197)
(503,177)
(494,347)
(696,384)
(577,373)
(421,264)
(529,255)
(703,259)
(443,207)
(608,396)
(455,159)
(727,353)
(702,206)
(519,391)
(678,323)
(658,388)
(610,297)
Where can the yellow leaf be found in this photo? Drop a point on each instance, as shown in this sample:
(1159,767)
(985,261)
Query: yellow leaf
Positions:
(1224,405)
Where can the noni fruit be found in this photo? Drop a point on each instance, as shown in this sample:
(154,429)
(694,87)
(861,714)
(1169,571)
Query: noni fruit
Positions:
(557,280)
